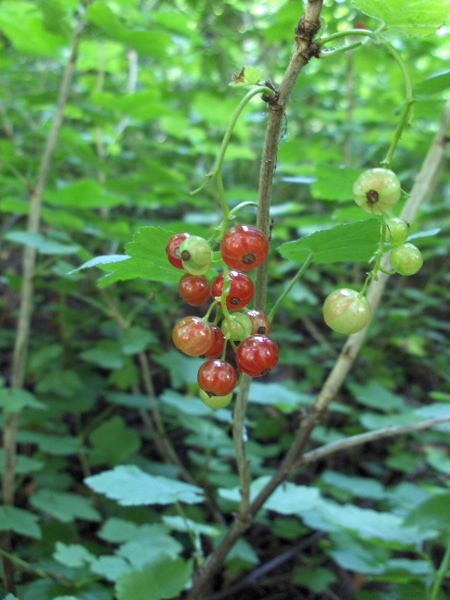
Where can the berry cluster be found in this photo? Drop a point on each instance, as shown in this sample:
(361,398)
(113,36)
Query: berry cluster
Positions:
(376,191)
(242,249)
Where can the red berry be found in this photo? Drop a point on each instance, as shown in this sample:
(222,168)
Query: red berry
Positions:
(244,247)
(260,322)
(218,344)
(217,378)
(194,289)
(173,247)
(192,336)
(241,289)
(257,355)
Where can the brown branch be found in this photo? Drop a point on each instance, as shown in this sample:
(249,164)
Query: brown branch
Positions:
(366,438)
(27,295)
(304,50)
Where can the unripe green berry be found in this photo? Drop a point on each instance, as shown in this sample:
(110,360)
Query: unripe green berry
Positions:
(346,312)
(237,327)
(406,259)
(398,231)
(377,190)
(215,401)
(196,255)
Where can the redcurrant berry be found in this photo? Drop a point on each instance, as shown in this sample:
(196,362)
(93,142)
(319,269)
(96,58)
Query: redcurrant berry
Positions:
(192,336)
(196,255)
(406,259)
(244,247)
(237,327)
(260,322)
(346,312)
(173,249)
(215,401)
(398,231)
(257,355)
(216,349)
(377,190)
(194,289)
(240,293)
(217,377)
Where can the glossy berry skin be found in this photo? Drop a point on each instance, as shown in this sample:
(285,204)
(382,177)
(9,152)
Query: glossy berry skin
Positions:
(260,322)
(196,255)
(257,355)
(406,259)
(217,377)
(376,191)
(244,247)
(173,247)
(215,401)
(397,231)
(194,289)
(237,327)
(216,349)
(192,336)
(240,293)
(345,312)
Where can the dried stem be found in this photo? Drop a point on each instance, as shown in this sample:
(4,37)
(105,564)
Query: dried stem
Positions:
(27,295)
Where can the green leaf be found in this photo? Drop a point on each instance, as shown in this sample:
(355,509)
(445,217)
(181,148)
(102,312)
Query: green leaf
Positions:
(72,555)
(419,18)
(433,85)
(64,506)
(163,579)
(374,395)
(14,400)
(24,464)
(107,354)
(137,339)
(317,580)
(431,514)
(52,444)
(83,194)
(186,525)
(20,521)
(286,500)
(355,242)
(361,487)
(111,567)
(132,487)
(10,597)
(325,188)
(146,258)
(41,243)
(126,442)
(153,543)
(119,530)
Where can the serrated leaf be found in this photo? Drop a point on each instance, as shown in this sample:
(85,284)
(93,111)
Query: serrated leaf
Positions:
(374,395)
(64,506)
(355,242)
(164,579)
(131,486)
(419,18)
(431,514)
(72,555)
(52,444)
(111,567)
(434,84)
(186,525)
(19,520)
(15,399)
(146,259)
(286,500)
(137,339)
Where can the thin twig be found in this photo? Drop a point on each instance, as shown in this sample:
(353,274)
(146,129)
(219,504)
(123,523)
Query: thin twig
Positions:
(27,295)
(365,438)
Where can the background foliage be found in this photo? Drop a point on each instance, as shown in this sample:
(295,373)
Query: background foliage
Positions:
(124,479)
